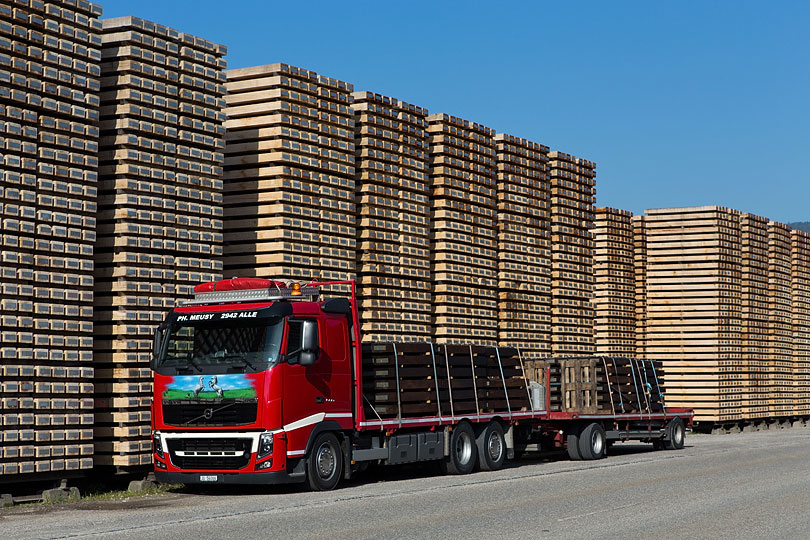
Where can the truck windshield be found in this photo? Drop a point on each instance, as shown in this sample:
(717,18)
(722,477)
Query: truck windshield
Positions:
(221,346)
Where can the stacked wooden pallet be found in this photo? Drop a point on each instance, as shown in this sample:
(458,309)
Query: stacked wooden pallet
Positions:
(49,84)
(407,380)
(524,246)
(572,197)
(754,315)
(800,320)
(693,307)
(160,210)
(464,251)
(614,272)
(289,175)
(640,284)
(393,219)
(779,360)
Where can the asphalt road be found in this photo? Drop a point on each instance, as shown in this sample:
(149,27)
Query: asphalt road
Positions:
(753,485)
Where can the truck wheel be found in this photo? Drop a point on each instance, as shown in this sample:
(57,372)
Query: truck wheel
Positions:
(676,433)
(491,447)
(462,451)
(592,442)
(325,463)
(572,442)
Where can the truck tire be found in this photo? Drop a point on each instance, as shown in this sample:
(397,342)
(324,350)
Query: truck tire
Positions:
(572,443)
(325,463)
(676,434)
(462,456)
(491,447)
(592,442)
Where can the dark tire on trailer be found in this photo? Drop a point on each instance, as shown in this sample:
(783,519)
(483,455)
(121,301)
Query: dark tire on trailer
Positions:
(676,435)
(463,453)
(491,446)
(572,443)
(592,442)
(325,463)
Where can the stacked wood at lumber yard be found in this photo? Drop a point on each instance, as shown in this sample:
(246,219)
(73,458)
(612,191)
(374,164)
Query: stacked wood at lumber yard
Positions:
(49,87)
(693,307)
(160,211)
(754,313)
(524,246)
(640,284)
(421,379)
(800,315)
(289,175)
(464,249)
(780,330)
(393,219)
(614,289)
(572,197)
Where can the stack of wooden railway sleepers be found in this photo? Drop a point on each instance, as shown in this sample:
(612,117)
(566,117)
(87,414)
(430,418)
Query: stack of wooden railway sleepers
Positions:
(160,211)
(780,330)
(49,107)
(464,252)
(289,175)
(393,221)
(754,315)
(572,197)
(406,380)
(524,246)
(800,313)
(640,284)
(693,308)
(614,289)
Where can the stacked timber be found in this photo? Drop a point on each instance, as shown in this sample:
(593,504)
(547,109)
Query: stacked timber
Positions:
(49,110)
(289,175)
(524,246)
(780,330)
(160,211)
(407,380)
(754,315)
(640,284)
(572,197)
(614,272)
(693,307)
(393,219)
(800,320)
(464,251)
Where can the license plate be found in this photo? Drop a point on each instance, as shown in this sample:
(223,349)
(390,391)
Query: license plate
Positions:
(208,478)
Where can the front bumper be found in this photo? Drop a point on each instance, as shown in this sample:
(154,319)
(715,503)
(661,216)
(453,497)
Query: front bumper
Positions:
(277,477)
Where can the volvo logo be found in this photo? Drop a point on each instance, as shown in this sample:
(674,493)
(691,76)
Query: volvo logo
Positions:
(208,413)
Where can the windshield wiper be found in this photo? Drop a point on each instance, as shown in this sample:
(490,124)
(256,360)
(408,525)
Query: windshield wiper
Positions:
(243,358)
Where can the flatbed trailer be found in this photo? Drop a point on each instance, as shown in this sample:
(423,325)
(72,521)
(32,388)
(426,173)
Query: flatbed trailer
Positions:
(257,382)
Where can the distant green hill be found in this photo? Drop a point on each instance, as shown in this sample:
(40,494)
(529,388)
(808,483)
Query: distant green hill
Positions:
(801,225)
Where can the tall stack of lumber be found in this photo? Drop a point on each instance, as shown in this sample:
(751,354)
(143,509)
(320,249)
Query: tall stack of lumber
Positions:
(693,307)
(160,211)
(780,330)
(464,255)
(614,272)
(393,221)
(800,323)
(524,246)
(573,193)
(640,284)
(289,175)
(754,315)
(49,110)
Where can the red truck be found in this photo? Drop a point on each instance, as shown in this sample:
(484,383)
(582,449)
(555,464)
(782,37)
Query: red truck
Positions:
(259,382)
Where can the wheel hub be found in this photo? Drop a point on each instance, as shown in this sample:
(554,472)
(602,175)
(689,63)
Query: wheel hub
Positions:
(494,446)
(326,461)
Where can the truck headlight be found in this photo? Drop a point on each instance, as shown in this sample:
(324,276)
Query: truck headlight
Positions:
(265,445)
(157,444)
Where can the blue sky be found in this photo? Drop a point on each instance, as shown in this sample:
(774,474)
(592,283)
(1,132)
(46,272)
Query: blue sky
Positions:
(679,103)
(226,382)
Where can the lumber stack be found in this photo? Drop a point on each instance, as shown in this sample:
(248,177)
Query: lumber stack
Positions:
(49,86)
(289,175)
(572,197)
(160,211)
(754,315)
(640,284)
(464,252)
(780,331)
(524,246)
(800,320)
(614,272)
(393,218)
(693,307)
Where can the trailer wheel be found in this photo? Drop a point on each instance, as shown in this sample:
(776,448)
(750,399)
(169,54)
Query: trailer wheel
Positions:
(325,463)
(462,456)
(491,447)
(676,433)
(572,443)
(592,442)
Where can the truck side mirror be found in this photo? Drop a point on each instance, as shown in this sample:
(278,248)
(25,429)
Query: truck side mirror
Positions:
(157,345)
(309,343)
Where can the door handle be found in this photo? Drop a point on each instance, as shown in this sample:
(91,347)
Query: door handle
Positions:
(319,399)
